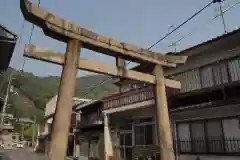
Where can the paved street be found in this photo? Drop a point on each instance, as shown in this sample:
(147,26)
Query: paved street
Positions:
(20,154)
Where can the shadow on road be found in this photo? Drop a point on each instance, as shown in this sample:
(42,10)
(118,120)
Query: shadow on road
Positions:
(20,154)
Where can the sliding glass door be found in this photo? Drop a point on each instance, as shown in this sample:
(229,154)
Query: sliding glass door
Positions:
(126,145)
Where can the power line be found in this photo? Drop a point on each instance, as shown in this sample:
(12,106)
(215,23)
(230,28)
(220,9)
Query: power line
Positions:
(30,38)
(181,24)
(223,20)
(197,29)
(169,33)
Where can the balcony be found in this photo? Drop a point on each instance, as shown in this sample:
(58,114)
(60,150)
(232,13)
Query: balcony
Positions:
(214,75)
(90,120)
(130,97)
(196,81)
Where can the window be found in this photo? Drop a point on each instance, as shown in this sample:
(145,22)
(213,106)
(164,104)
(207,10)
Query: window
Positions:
(234,69)
(125,88)
(144,132)
(206,76)
(133,86)
(220,73)
(14,137)
(198,137)
(209,136)
(126,145)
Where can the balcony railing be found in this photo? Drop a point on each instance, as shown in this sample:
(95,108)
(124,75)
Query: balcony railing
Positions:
(230,145)
(134,96)
(91,119)
(216,74)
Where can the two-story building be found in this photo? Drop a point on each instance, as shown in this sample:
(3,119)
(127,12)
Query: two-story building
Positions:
(45,127)
(204,114)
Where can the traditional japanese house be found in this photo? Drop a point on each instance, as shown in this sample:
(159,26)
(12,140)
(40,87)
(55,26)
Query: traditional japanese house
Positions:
(204,113)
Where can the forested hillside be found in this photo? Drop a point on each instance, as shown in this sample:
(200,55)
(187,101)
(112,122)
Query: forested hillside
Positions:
(30,93)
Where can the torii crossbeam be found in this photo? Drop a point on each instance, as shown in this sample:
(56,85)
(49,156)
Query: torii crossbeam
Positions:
(77,38)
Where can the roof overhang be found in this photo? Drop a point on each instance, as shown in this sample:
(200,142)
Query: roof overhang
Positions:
(223,42)
(7,44)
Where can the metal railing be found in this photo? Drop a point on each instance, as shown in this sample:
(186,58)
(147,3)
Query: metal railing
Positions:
(209,145)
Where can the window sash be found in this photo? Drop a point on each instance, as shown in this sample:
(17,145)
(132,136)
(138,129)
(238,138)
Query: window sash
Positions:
(208,136)
(141,134)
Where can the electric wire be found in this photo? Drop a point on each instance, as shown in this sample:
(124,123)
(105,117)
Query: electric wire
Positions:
(30,38)
(183,23)
(208,22)
(169,33)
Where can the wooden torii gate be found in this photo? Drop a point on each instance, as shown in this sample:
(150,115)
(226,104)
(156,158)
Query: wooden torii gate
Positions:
(77,38)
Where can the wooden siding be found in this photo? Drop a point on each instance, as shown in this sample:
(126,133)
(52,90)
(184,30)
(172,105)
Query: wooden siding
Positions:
(215,74)
(234,69)
(134,96)
(211,75)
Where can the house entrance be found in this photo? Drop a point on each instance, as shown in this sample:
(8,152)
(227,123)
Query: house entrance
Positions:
(126,145)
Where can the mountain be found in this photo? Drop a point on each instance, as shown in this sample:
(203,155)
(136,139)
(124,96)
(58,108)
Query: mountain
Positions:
(30,93)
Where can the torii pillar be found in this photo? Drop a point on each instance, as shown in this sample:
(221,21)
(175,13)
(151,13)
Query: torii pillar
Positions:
(163,122)
(61,125)
(77,37)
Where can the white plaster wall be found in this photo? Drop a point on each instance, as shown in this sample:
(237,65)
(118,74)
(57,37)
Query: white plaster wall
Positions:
(51,106)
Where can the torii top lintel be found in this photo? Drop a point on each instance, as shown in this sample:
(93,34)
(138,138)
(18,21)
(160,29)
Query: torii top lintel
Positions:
(64,30)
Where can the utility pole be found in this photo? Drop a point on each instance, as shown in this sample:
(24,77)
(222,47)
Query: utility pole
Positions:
(220,8)
(6,101)
(223,20)
(33,132)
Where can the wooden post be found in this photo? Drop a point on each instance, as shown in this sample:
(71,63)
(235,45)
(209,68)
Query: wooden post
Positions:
(121,66)
(62,117)
(164,131)
(76,137)
(108,149)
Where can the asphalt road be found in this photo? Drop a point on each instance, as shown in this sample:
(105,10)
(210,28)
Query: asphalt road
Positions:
(20,154)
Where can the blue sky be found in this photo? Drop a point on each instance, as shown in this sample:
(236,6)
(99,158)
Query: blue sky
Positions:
(140,22)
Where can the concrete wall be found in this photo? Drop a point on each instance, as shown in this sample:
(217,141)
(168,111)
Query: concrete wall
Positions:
(201,157)
(9,138)
(51,106)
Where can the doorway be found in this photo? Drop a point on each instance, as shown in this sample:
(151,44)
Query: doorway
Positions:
(126,145)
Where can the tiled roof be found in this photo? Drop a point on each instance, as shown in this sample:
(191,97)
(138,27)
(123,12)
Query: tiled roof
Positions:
(7,44)
(149,67)
(7,33)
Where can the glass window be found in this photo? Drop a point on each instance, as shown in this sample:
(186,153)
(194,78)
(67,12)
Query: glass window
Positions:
(121,139)
(198,137)
(215,136)
(144,131)
(139,135)
(149,134)
(209,136)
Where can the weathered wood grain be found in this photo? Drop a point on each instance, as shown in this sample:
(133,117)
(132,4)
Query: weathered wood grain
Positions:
(64,30)
(48,55)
